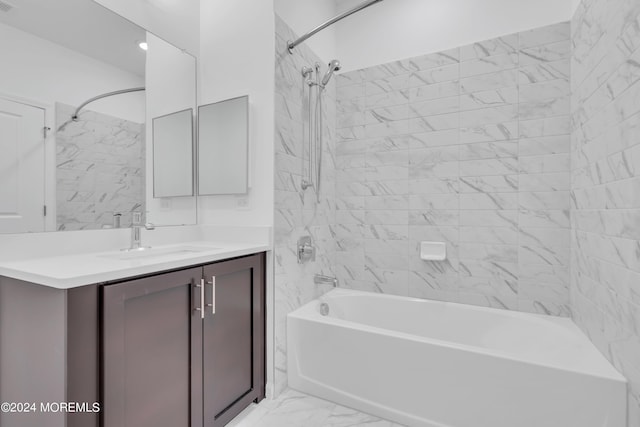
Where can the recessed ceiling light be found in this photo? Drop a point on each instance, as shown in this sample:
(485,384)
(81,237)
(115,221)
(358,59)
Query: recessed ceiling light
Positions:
(143,45)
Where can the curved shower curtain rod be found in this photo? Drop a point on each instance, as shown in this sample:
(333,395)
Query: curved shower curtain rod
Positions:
(74,117)
(292,44)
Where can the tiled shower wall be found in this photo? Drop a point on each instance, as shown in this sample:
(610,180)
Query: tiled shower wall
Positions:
(605,280)
(470,147)
(99,170)
(297,212)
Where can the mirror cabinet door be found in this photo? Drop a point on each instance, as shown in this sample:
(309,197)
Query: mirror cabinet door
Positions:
(223,145)
(173,154)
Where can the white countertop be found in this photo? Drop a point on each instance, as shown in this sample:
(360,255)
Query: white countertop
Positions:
(71,271)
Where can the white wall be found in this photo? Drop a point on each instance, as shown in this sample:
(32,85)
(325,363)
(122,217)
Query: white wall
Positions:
(38,70)
(176,21)
(237,58)
(171,87)
(304,15)
(399,29)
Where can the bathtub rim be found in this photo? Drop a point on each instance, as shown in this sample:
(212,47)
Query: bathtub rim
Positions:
(307,313)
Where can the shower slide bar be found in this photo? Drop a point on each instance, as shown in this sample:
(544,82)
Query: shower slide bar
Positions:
(292,44)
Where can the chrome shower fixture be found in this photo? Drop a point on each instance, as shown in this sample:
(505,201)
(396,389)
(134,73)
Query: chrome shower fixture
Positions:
(315,141)
(307,72)
(334,66)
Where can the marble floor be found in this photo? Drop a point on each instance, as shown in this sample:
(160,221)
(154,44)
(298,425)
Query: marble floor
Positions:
(295,409)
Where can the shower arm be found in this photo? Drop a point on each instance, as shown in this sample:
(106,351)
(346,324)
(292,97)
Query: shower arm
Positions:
(292,44)
(104,95)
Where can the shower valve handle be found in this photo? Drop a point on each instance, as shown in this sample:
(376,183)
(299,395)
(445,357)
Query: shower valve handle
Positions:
(306,251)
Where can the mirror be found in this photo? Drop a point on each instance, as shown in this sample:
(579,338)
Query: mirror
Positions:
(76,109)
(223,142)
(173,154)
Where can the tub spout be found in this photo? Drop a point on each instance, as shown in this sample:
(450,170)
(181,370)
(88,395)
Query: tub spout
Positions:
(320,279)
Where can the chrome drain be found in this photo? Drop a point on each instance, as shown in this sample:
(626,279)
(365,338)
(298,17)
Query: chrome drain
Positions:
(324,308)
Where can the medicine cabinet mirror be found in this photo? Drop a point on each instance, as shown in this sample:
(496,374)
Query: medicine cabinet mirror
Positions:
(173,154)
(223,147)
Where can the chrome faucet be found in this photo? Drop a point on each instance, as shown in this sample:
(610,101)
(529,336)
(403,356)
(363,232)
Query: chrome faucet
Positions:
(136,235)
(320,279)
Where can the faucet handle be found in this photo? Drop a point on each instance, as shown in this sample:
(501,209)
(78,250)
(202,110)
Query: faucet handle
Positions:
(306,251)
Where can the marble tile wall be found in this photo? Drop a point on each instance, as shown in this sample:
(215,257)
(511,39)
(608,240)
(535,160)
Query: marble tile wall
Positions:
(605,196)
(99,169)
(297,212)
(468,146)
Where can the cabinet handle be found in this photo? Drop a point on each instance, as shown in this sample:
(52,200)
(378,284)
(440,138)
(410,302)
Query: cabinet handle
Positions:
(201,308)
(213,294)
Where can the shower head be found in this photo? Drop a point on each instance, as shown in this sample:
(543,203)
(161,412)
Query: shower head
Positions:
(334,66)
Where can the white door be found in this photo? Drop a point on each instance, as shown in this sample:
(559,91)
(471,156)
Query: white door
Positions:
(21,167)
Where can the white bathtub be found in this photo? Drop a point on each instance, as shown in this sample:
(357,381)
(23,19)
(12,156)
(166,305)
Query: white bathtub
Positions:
(428,363)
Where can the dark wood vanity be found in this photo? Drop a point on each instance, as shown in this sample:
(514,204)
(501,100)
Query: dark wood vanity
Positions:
(176,348)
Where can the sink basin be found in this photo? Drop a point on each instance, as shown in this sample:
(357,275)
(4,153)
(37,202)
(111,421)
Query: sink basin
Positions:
(144,253)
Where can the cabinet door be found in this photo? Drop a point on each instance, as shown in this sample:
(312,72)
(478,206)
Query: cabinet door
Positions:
(233,338)
(152,341)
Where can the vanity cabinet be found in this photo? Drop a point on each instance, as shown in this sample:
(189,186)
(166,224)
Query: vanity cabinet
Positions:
(184,348)
(233,338)
(149,332)
(150,350)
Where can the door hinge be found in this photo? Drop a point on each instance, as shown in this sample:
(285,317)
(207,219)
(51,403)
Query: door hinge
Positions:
(44,210)
(45,131)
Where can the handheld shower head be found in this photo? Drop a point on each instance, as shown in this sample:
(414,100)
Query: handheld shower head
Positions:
(334,66)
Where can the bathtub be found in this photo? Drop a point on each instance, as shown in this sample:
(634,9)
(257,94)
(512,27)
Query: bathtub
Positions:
(429,363)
